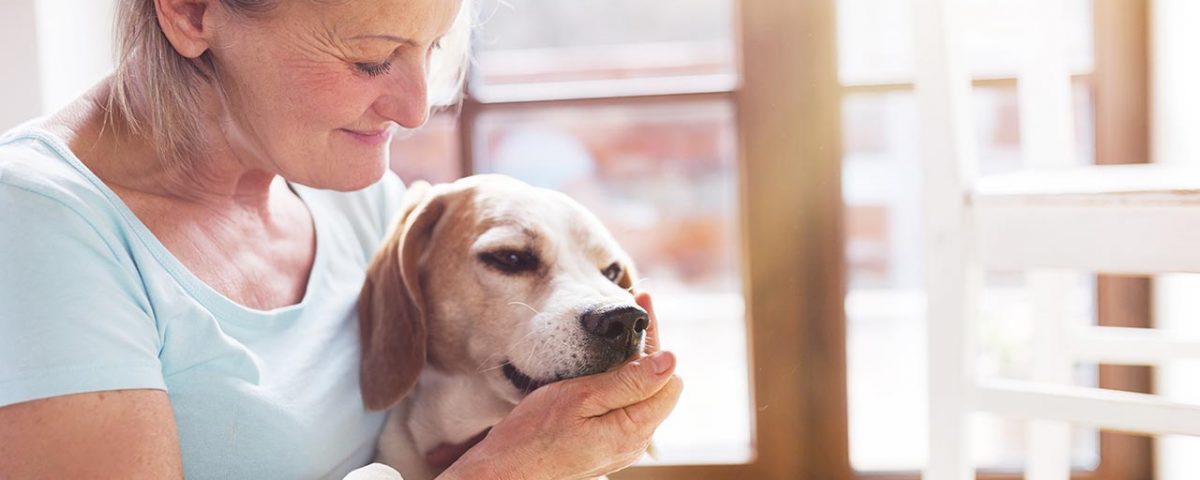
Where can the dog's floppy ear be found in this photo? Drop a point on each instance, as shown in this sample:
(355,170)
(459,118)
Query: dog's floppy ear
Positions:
(391,310)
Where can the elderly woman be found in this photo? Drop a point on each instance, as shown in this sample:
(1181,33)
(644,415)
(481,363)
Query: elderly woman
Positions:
(181,250)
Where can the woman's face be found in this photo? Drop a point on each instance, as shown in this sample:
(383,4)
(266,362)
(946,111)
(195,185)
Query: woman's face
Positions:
(315,88)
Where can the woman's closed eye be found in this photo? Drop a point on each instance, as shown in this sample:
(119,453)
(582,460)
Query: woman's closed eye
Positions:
(374,69)
(382,68)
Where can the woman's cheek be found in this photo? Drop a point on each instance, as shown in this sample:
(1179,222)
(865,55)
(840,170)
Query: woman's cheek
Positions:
(347,105)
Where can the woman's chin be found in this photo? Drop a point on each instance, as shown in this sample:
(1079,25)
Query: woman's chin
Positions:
(347,176)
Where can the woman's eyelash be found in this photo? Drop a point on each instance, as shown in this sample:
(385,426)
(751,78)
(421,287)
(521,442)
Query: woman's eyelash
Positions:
(374,69)
(377,69)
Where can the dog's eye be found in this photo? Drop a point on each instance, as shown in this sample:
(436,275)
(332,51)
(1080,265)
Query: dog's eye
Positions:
(612,272)
(511,261)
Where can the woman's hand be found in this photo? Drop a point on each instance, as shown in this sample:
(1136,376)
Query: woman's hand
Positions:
(583,427)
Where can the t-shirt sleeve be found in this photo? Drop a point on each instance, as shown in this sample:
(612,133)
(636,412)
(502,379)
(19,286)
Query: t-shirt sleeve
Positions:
(73,313)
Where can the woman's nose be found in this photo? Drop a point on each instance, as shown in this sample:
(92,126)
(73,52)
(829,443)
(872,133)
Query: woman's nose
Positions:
(405,97)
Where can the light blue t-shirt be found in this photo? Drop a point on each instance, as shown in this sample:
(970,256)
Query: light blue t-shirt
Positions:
(91,301)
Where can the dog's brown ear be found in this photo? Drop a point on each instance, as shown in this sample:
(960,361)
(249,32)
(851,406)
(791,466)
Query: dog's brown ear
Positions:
(391,309)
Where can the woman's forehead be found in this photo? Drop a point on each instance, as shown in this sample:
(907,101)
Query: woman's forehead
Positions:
(396,21)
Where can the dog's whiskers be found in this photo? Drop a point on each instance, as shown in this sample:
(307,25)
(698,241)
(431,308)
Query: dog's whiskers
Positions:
(636,284)
(504,353)
(533,351)
(526,305)
(536,349)
(514,347)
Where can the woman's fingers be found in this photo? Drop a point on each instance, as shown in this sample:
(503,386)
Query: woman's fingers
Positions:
(649,413)
(590,425)
(625,386)
(643,300)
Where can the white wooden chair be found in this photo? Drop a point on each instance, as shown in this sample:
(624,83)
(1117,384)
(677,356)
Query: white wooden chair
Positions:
(1110,219)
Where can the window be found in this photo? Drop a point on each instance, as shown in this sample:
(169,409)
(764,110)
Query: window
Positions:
(540,49)
(664,123)
(663,179)
(659,167)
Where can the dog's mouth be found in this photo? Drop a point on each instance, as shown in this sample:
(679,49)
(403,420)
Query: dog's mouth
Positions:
(523,382)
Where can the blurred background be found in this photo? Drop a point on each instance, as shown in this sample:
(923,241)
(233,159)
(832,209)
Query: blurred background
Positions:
(761,161)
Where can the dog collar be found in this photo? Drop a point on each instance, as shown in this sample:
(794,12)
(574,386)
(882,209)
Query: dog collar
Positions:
(442,456)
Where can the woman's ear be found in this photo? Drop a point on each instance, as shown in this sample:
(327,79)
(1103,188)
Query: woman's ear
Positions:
(187,24)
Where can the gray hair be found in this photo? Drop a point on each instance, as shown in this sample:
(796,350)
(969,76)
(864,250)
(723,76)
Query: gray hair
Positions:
(157,92)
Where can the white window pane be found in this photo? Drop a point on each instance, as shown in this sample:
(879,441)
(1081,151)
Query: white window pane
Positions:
(578,46)
(875,39)
(429,153)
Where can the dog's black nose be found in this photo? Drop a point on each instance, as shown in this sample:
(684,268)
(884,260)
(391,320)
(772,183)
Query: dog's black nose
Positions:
(618,325)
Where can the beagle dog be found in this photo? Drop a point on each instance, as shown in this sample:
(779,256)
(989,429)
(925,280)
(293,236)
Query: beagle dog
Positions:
(485,290)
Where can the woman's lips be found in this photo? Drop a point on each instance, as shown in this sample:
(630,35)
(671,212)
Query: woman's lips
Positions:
(371,137)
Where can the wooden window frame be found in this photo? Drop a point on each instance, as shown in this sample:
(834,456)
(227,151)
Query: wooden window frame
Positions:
(791,235)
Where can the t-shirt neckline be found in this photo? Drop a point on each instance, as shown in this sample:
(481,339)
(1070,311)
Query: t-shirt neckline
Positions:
(219,304)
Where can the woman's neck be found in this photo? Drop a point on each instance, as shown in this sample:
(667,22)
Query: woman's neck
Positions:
(222,178)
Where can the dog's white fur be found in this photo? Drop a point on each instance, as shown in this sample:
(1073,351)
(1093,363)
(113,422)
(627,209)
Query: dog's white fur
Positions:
(440,318)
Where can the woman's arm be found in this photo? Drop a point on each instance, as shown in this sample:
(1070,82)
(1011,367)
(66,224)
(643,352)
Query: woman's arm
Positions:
(113,434)
(81,387)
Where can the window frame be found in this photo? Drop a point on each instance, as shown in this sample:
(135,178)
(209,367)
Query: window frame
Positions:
(786,298)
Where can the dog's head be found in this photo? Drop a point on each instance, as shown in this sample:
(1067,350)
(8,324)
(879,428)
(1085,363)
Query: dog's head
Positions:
(490,276)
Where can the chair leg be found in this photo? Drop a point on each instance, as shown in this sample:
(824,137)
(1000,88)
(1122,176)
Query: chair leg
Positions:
(1048,444)
(953,286)
(950,448)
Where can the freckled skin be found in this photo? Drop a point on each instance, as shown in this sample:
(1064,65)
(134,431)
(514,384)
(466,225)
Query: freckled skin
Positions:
(292,84)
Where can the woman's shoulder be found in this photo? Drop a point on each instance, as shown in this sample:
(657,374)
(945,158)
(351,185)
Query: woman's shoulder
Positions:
(45,188)
(33,160)
(74,316)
